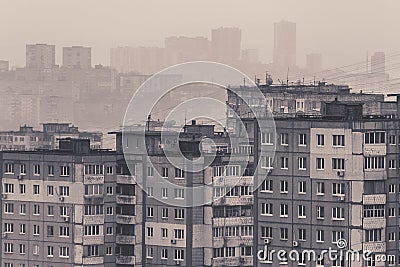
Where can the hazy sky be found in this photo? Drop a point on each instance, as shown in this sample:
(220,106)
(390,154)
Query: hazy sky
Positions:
(342,30)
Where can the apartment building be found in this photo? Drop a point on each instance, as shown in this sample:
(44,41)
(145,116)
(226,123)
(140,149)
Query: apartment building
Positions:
(73,206)
(29,139)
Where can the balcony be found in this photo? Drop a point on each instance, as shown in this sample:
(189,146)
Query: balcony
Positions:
(374,150)
(226,262)
(374,223)
(93,260)
(375,247)
(232,180)
(374,199)
(233,221)
(234,201)
(93,179)
(125,260)
(126,179)
(232,241)
(93,240)
(125,219)
(125,240)
(127,200)
(93,219)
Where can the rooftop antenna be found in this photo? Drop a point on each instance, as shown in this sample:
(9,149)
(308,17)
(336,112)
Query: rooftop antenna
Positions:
(366,64)
(148,122)
(244,82)
(287,76)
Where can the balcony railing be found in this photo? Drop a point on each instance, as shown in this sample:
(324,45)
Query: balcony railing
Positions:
(374,199)
(93,260)
(121,199)
(125,260)
(374,223)
(93,179)
(126,179)
(125,240)
(93,219)
(375,246)
(233,221)
(233,241)
(125,219)
(234,201)
(93,240)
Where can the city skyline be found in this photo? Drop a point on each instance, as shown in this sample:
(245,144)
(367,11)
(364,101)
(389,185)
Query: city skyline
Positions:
(367,31)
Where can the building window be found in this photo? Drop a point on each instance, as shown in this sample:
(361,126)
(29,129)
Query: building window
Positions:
(267,162)
(320,140)
(150,191)
(22,249)
(94,169)
(36,209)
(50,251)
(303,164)
(337,214)
(179,193)
(22,209)
(36,230)
(164,232)
(284,210)
(8,188)
(164,254)
(320,212)
(392,140)
(64,170)
(64,231)
(50,170)
(320,164)
(179,254)
(150,231)
(284,139)
(302,139)
(64,211)
(266,232)
(284,163)
(22,229)
(267,186)
(301,212)
(179,173)
(374,162)
(338,164)
(179,233)
(392,188)
(109,250)
(92,190)
(164,172)
(338,189)
(284,187)
(302,234)
(373,235)
(109,230)
(36,169)
(109,170)
(89,230)
(64,191)
(392,236)
(392,164)
(392,212)
(164,213)
(150,212)
(284,233)
(109,210)
(64,252)
(93,251)
(375,138)
(164,193)
(35,249)
(8,228)
(374,211)
(22,189)
(8,248)
(302,187)
(149,252)
(320,236)
(320,188)
(109,190)
(150,171)
(50,190)
(36,189)
(230,252)
(22,169)
(266,209)
(338,140)
(50,230)
(179,214)
(9,169)
(9,208)
(267,138)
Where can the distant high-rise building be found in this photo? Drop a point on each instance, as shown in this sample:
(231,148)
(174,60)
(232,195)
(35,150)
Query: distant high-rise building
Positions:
(285,44)
(226,44)
(144,60)
(314,62)
(4,65)
(378,62)
(40,56)
(182,49)
(77,57)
